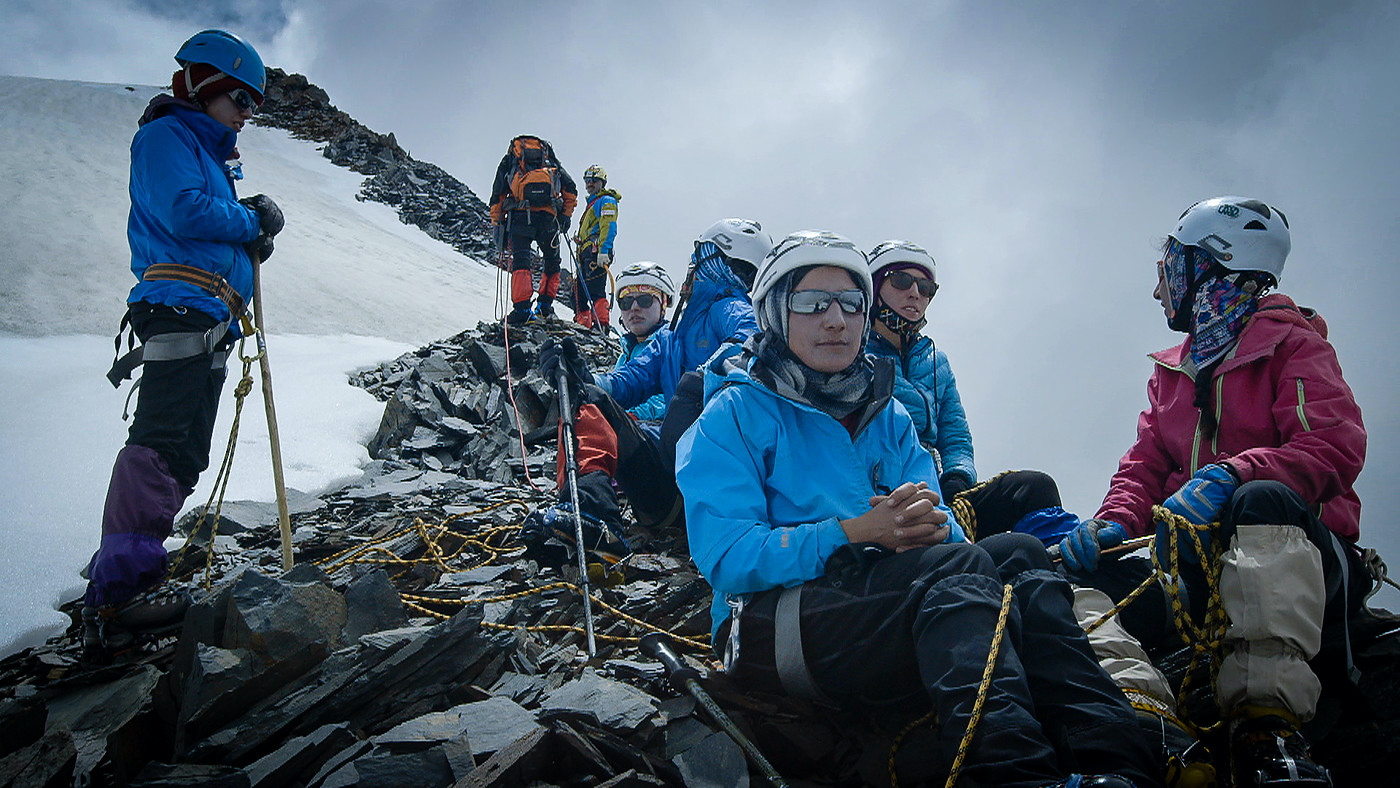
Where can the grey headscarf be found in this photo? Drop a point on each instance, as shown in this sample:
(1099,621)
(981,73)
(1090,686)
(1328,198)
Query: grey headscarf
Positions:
(838,394)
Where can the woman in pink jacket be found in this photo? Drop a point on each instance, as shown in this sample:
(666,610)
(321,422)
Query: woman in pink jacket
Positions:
(1251,434)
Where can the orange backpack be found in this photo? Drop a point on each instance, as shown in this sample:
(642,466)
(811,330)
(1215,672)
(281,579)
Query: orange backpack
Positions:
(534,177)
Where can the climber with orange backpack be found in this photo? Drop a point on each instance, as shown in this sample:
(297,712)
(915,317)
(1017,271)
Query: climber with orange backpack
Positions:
(532,199)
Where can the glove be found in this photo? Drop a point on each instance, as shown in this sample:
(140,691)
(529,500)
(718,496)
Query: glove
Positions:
(1080,549)
(259,248)
(1199,500)
(604,259)
(564,222)
(557,355)
(1202,496)
(270,219)
(952,483)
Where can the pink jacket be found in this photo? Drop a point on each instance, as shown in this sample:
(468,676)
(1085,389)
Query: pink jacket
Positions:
(1285,413)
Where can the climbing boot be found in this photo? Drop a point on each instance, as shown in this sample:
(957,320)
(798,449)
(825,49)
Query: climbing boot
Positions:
(544,310)
(520,315)
(1268,751)
(110,630)
(549,537)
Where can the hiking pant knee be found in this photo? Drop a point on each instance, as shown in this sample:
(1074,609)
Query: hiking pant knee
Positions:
(610,440)
(1082,712)
(1001,502)
(912,628)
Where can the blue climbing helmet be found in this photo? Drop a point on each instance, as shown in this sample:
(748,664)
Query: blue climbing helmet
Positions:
(229,54)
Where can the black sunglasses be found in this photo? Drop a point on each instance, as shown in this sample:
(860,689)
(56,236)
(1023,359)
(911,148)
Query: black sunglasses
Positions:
(811,302)
(643,300)
(903,280)
(243,99)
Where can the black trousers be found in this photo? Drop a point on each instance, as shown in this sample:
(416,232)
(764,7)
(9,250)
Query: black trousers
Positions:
(538,227)
(178,400)
(916,627)
(1001,503)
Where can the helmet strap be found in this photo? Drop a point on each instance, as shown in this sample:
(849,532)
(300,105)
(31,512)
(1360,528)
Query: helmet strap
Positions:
(193,89)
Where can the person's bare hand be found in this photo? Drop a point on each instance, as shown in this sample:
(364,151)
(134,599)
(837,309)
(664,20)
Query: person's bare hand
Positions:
(908,517)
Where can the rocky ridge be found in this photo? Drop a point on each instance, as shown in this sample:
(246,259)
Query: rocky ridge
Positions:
(424,194)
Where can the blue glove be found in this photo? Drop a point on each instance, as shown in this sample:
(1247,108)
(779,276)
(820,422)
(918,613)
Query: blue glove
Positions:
(1202,497)
(1080,550)
(1199,500)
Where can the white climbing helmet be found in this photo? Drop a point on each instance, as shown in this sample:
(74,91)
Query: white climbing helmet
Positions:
(595,172)
(739,239)
(1240,233)
(646,274)
(812,247)
(896,252)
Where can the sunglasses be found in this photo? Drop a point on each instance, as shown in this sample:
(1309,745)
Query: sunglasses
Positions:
(243,100)
(643,300)
(812,302)
(903,280)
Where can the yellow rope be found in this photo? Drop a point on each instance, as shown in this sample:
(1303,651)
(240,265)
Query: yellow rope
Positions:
(987,670)
(415,601)
(961,504)
(1205,639)
(240,393)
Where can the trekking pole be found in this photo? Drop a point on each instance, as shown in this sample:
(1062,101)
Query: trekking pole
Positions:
(687,679)
(265,366)
(1126,547)
(566,437)
(582,283)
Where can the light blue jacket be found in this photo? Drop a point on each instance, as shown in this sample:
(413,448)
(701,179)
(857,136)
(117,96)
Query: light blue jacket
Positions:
(184,209)
(654,409)
(713,314)
(766,480)
(925,387)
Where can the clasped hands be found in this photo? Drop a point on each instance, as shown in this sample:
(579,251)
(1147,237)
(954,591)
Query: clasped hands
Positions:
(908,517)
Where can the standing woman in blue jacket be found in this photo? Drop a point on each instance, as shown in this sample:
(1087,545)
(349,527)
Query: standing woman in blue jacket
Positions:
(813,513)
(192,247)
(905,281)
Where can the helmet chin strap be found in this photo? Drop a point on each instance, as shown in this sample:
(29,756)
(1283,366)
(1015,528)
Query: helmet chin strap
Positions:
(194,89)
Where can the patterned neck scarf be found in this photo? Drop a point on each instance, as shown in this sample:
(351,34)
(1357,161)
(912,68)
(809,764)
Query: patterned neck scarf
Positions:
(1218,309)
(711,266)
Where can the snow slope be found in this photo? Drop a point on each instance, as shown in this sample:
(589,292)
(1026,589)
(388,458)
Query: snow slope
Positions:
(348,287)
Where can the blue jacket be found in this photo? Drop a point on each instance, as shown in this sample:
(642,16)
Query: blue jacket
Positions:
(184,209)
(766,480)
(713,314)
(654,409)
(925,387)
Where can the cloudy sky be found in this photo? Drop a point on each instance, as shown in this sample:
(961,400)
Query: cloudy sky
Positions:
(1039,150)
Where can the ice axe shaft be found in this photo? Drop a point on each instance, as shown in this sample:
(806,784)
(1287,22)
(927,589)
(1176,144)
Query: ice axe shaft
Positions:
(1126,547)
(687,679)
(279,484)
(566,438)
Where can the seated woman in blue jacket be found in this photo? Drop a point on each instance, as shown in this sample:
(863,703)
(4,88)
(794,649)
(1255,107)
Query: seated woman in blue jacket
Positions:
(905,279)
(838,574)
